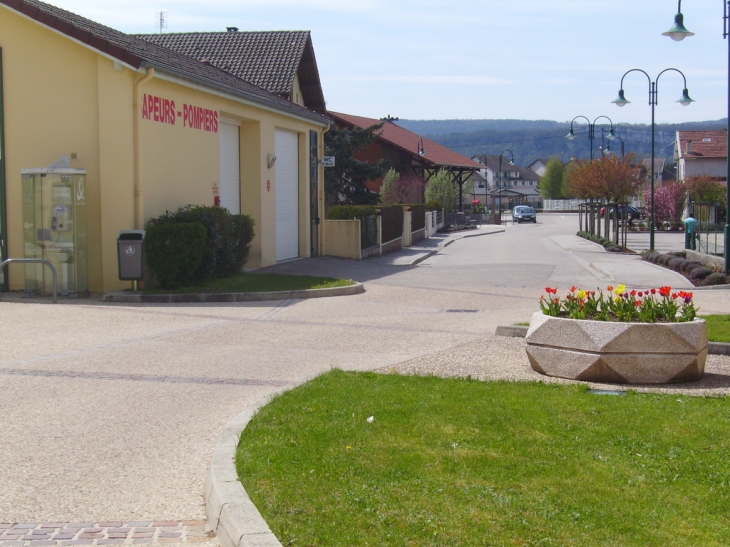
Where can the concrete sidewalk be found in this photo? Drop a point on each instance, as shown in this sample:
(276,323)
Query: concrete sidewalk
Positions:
(421,250)
(615,268)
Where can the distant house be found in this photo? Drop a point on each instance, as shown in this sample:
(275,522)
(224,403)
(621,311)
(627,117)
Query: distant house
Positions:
(659,169)
(539,166)
(701,153)
(281,62)
(509,186)
(407,152)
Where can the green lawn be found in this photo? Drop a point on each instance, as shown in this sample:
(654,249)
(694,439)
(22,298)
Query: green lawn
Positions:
(464,463)
(718,327)
(256,282)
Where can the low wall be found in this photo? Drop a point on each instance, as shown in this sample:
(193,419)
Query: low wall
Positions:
(342,238)
(418,235)
(390,246)
(712,262)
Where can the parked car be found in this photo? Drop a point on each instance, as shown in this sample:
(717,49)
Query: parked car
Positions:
(624,211)
(524,213)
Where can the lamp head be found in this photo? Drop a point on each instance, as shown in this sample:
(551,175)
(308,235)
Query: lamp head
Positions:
(512,162)
(611,134)
(678,32)
(570,135)
(620,100)
(685,99)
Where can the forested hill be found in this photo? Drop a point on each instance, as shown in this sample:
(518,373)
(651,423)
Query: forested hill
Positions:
(529,140)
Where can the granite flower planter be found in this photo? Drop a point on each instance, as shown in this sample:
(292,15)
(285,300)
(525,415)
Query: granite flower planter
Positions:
(617,353)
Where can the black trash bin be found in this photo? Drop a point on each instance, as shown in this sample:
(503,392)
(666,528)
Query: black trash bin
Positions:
(130,250)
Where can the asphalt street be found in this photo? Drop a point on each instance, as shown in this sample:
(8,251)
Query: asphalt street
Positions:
(110,412)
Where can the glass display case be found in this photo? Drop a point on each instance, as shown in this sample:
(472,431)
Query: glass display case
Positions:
(54,229)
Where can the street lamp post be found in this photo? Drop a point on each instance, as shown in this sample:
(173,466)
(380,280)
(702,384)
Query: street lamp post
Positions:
(653,96)
(501,175)
(591,130)
(608,146)
(678,33)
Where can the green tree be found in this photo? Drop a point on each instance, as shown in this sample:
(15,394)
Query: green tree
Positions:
(345,183)
(389,188)
(441,188)
(551,184)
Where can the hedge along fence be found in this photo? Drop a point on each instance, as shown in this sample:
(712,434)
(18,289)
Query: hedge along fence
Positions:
(227,242)
(418,217)
(392,222)
(366,214)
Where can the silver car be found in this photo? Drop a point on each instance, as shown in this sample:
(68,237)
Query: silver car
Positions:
(524,213)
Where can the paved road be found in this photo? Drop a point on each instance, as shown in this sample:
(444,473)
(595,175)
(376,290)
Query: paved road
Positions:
(110,412)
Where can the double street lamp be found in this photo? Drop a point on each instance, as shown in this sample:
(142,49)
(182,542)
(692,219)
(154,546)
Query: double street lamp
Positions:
(653,101)
(592,131)
(677,33)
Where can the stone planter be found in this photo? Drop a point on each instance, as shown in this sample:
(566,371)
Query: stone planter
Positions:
(617,353)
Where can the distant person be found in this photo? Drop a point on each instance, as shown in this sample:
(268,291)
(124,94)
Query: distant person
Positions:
(690,232)
(631,220)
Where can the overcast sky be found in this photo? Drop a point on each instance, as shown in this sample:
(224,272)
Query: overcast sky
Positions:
(439,59)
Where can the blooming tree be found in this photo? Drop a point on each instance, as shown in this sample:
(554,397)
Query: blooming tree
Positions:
(669,202)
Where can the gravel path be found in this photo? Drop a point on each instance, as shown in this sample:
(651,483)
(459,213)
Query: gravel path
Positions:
(504,358)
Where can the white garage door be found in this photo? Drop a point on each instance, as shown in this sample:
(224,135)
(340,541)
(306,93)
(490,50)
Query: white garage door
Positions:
(230,183)
(287,195)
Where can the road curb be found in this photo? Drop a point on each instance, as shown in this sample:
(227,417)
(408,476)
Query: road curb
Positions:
(448,242)
(517,331)
(142,298)
(229,511)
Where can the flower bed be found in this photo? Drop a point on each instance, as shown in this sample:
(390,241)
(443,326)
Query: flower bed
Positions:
(621,336)
(660,305)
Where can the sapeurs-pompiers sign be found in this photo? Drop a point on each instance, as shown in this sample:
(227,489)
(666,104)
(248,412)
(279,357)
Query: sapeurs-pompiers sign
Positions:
(163,110)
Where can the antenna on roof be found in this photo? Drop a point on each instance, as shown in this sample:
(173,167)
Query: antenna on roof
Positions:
(161,17)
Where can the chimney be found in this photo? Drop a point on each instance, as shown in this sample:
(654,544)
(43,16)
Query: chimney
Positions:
(231,29)
(688,148)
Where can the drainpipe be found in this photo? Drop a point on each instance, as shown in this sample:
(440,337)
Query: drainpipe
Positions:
(138,201)
(322,201)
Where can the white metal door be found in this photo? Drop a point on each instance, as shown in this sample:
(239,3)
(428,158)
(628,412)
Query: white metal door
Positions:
(287,195)
(230,183)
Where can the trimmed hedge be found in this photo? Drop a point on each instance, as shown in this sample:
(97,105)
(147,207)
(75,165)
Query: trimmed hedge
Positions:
(418,217)
(349,212)
(392,221)
(227,242)
(174,252)
(692,270)
(433,205)
(606,243)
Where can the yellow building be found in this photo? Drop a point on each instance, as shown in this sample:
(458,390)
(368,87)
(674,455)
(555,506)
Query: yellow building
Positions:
(154,130)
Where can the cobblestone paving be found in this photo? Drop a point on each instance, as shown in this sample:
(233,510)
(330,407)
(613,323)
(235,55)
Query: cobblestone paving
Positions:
(26,534)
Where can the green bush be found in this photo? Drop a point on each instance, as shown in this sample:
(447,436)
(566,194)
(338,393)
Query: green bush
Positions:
(676,263)
(716,278)
(228,238)
(174,251)
(433,205)
(700,273)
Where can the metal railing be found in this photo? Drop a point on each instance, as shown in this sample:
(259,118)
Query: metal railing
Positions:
(36,261)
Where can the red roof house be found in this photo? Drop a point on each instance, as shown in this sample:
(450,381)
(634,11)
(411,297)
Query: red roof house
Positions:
(701,153)
(407,152)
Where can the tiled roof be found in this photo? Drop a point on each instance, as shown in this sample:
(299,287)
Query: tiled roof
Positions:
(267,59)
(705,144)
(139,53)
(436,154)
